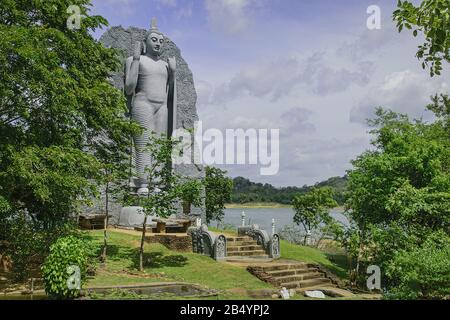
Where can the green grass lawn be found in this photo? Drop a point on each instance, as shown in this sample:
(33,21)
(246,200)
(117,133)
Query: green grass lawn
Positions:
(164,265)
(335,262)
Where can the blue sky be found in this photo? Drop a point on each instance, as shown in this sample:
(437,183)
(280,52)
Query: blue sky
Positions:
(308,67)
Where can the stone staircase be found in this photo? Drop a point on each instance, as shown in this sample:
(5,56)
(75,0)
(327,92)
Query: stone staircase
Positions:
(299,276)
(239,248)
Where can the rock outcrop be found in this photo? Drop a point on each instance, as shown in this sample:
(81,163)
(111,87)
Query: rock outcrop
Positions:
(124,41)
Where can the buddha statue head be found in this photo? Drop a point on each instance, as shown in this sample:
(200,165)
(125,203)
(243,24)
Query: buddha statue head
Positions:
(154,40)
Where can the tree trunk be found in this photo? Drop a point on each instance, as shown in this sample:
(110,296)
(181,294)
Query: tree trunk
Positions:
(105,232)
(306,234)
(349,263)
(319,241)
(141,251)
(186,208)
(360,252)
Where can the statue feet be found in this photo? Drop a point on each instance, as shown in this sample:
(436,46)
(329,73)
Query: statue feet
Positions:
(143,191)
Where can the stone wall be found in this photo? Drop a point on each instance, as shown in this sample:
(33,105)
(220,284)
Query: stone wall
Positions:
(174,242)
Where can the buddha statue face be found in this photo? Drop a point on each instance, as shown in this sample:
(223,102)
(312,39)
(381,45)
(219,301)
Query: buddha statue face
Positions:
(154,43)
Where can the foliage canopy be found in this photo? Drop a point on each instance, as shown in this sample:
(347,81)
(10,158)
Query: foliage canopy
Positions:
(57,112)
(399,197)
(432,19)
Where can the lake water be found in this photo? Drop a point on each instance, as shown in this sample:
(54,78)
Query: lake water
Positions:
(263,217)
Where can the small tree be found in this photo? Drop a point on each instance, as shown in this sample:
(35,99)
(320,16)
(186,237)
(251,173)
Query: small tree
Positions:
(311,209)
(163,185)
(332,229)
(115,173)
(218,189)
(190,193)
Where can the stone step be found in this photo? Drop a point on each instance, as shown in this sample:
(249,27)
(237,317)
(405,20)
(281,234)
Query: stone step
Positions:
(235,239)
(249,259)
(291,272)
(285,267)
(299,277)
(249,253)
(243,248)
(242,243)
(306,283)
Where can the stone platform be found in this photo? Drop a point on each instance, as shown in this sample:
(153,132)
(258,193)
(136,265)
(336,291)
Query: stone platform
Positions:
(177,241)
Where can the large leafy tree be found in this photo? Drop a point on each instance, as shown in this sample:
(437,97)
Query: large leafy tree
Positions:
(399,195)
(432,19)
(56,106)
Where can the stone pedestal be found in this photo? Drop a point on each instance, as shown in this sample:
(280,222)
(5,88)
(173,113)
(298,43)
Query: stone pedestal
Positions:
(131,217)
(160,228)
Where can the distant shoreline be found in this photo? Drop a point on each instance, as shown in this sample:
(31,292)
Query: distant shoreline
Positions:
(262,205)
(256,205)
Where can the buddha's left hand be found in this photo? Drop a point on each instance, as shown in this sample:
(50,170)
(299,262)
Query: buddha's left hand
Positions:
(172,64)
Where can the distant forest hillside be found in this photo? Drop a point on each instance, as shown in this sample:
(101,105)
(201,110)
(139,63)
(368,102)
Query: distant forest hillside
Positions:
(245,191)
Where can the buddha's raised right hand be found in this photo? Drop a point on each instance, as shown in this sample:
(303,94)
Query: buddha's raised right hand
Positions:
(137,51)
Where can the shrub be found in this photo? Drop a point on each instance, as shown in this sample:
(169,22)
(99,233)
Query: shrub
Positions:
(28,241)
(296,235)
(422,273)
(292,234)
(67,256)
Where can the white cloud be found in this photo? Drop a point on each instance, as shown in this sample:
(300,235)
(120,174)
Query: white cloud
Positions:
(314,160)
(169,3)
(325,79)
(204,91)
(184,13)
(296,120)
(277,78)
(230,16)
(369,43)
(404,91)
(268,78)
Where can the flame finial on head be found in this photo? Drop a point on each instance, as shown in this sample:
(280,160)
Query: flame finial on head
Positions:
(154,26)
(154,23)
